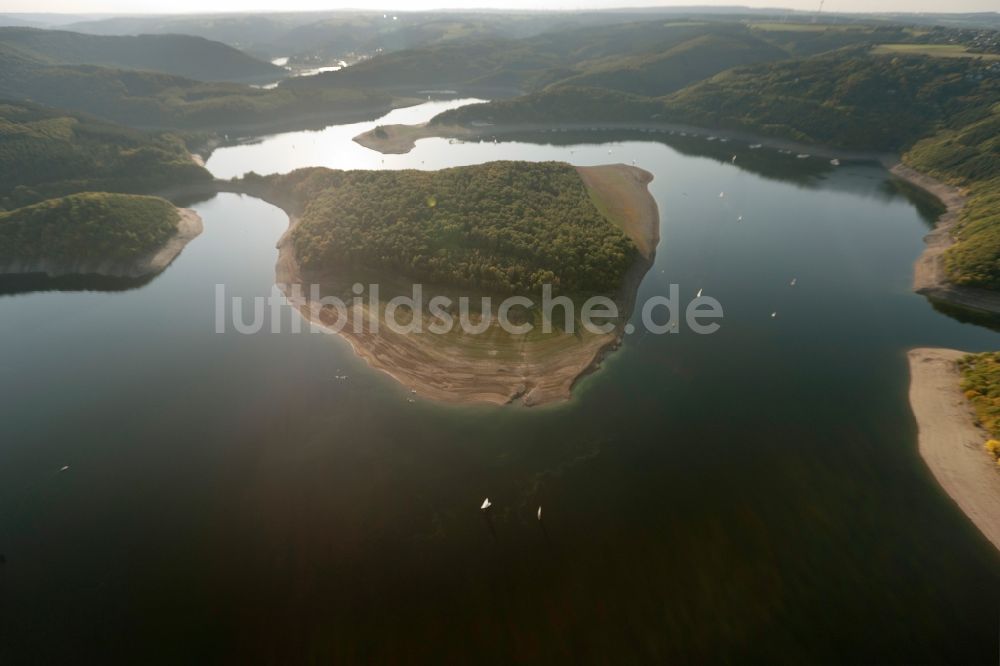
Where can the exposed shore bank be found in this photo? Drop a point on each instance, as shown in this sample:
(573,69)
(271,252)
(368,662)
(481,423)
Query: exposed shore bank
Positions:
(929,275)
(951,441)
(189,227)
(494,367)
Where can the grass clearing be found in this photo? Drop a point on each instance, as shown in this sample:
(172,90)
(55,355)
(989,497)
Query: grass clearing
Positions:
(803,27)
(934,50)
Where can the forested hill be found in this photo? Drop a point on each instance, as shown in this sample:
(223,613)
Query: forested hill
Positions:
(324,35)
(180,55)
(649,58)
(156,100)
(46,153)
(87,226)
(856,98)
(853,98)
(498,227)
(71,188)
(660,55)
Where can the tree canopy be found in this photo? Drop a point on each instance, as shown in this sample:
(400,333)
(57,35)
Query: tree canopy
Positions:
(88,225)
(46,153)
(501,226)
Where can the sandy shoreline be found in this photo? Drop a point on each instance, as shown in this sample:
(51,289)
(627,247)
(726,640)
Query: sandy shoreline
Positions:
(189,227)
(495,367)
(951,441)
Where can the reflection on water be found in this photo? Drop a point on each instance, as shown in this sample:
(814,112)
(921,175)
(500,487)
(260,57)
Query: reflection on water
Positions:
(330,146)
(35,282)
(967,316)
(764,161)
(928,206)
(749,496)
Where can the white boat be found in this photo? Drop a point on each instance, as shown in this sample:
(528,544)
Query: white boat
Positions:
(486,504)
(835,162)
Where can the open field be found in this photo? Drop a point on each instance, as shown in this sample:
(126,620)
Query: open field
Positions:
(935,50)
(803,27)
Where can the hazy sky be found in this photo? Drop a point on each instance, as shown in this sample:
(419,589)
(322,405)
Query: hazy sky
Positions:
(180,6)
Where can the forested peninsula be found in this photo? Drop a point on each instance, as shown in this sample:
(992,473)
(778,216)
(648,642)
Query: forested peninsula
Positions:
(71,191)
(495,229)
(95,233)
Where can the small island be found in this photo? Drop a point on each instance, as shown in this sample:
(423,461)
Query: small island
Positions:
(495,230)
(95,233)
(952,397)
(400,139)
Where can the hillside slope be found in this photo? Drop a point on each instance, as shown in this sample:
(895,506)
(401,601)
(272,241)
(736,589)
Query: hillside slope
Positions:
(155,100)
(87,226)
(649,58)
(48,153)
(180,55)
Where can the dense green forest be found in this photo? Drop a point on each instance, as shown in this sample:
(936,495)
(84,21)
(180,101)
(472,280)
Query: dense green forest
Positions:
(180,55)
(87,225)
(676,66)
(649,58)
(339,34)
(635,57)
(500,227)
(981,384)
(849,98)
(155,100)
(969,156)
(843,98)
(313,36)
(65,184)
(47,153)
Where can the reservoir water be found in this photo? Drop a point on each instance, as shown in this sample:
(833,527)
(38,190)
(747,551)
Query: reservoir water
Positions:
(170,494)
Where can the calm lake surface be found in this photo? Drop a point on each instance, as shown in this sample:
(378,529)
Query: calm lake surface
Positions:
(750,495)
